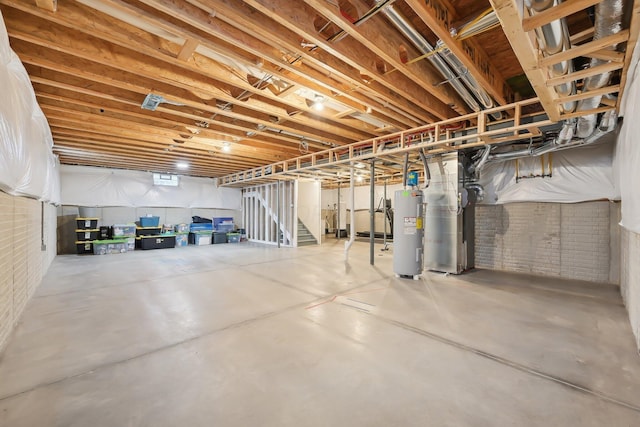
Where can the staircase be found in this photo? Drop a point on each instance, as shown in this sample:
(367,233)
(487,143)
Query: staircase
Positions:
(305,238)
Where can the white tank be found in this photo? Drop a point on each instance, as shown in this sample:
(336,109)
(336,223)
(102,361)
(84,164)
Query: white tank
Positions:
(408,233)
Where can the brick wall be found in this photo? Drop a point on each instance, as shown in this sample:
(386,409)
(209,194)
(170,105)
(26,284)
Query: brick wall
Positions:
(630,278)
(578,241)
(23,261)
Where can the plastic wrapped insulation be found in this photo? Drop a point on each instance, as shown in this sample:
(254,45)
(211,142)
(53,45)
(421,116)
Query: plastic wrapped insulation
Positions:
(28,166)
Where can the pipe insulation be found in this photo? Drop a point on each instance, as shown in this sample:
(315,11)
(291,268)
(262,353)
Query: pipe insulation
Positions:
(608,21)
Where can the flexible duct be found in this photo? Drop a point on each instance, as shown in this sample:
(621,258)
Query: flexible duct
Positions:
(423,46)
(554,38)
(563,141)
(608,21)
(483,159)
(477,188)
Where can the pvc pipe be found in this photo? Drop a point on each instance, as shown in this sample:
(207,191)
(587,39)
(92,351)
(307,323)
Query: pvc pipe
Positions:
(338,213)
(372,219)
(384,235)
(352,227)
(278,229)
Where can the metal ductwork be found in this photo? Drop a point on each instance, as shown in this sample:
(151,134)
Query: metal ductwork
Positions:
(405,27)
(563,141)
(608,21)
(554,38)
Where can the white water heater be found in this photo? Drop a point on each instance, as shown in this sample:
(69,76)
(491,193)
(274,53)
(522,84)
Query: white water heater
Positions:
(408,233)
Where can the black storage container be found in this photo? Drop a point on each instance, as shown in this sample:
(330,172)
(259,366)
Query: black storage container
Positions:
(84,235)
(156,242)
(84,247)
(148,231)
(219,238)
(86,223)
(104,233)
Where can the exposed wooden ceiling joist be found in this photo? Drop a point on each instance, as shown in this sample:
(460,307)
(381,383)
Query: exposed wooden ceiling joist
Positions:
(248,72)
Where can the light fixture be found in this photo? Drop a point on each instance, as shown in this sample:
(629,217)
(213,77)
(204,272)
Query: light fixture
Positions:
(359,178)
(182,165)
(226,147)
(359,165)
(318,103)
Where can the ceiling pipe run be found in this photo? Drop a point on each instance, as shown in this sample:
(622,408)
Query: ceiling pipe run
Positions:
(553,38)
(403,25)
(563,141)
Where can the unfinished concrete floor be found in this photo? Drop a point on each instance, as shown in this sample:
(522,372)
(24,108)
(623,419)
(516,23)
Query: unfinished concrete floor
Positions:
(252,335)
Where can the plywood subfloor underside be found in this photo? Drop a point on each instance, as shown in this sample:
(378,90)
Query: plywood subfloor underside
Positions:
(239,335)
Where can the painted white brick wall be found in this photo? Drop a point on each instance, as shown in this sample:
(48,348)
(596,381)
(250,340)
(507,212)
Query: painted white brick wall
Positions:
(550,239)
(22,260)
(630,278)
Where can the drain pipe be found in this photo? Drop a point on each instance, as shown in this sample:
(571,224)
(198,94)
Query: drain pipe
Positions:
(372,219)
(352,226)
(405,170)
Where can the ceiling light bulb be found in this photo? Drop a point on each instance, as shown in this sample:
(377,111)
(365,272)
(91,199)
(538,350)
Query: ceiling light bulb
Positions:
(226,147)
(359,178)
(318,103)
(182,165)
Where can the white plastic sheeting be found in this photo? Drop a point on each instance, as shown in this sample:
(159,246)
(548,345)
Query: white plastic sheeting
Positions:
(89,186)
(28,166)
(628,149)
(579,174)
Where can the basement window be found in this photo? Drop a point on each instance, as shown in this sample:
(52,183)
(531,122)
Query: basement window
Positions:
(165,179)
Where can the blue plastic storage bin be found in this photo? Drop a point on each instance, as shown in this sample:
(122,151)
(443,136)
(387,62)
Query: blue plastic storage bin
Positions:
(149,221)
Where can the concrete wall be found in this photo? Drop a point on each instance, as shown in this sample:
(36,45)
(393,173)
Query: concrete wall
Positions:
(577,241)
(125,215)
(630,278)
(27,247)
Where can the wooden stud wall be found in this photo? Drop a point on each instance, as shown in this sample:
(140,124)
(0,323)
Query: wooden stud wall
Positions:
(260,212)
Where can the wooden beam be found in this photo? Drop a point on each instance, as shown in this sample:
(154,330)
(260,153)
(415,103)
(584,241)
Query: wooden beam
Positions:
(591,71)
(589,94)
(297,21)
(188,48)
(634,31)
(237,23)
(582,36)
(585,49)
(375,36)
(527,53)
(562,10)
(435,13)
(50,5)
(607,55)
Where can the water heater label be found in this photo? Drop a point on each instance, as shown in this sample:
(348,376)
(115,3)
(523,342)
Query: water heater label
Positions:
(410,225)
